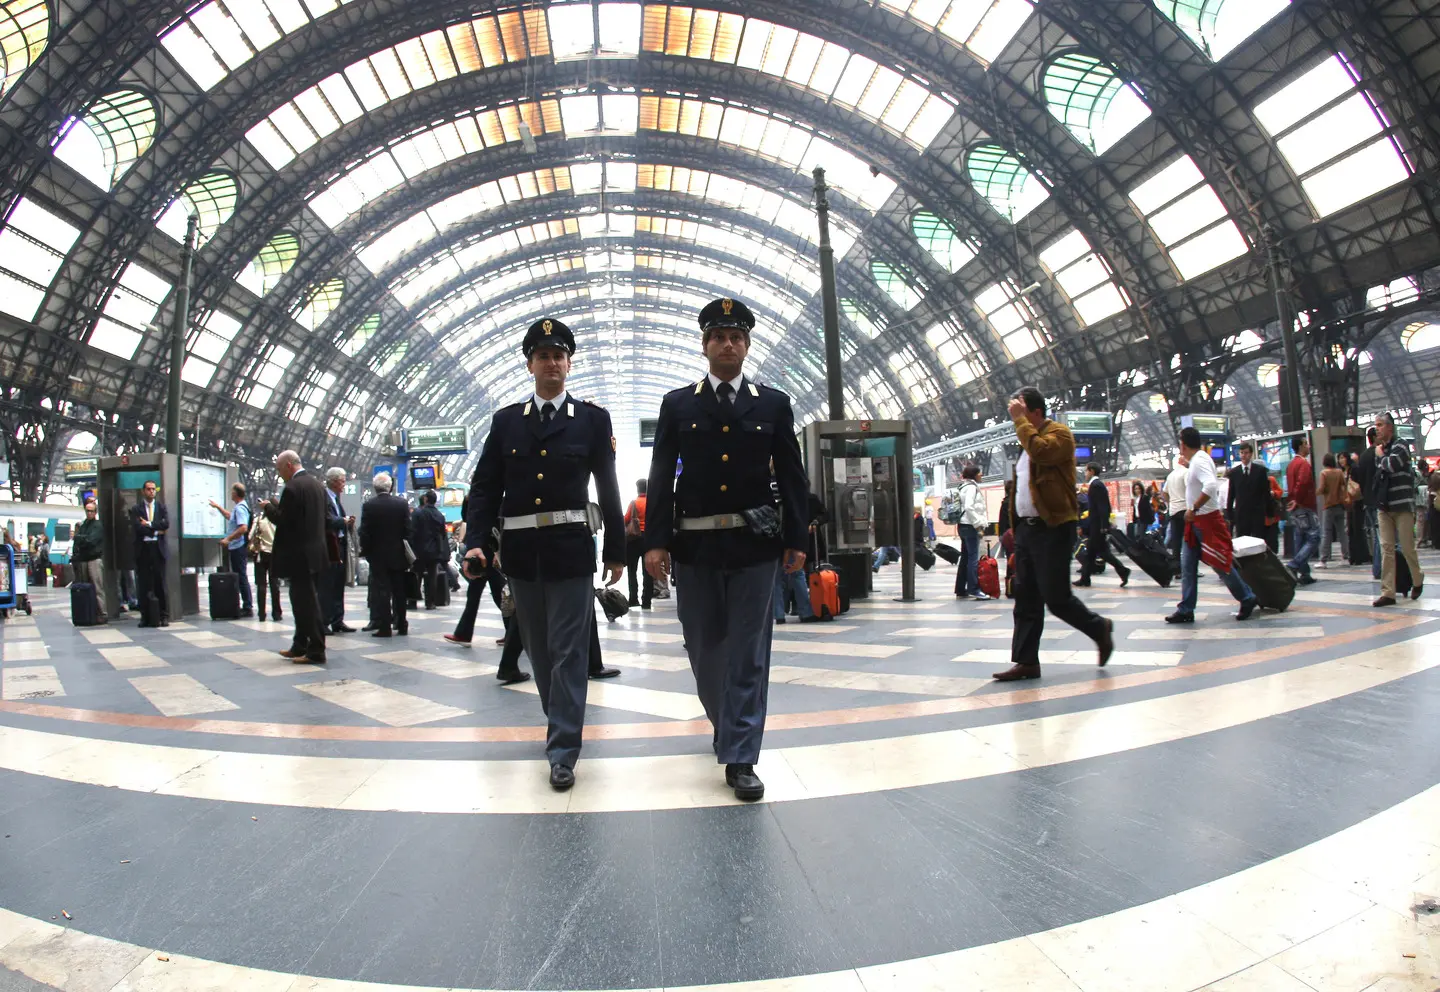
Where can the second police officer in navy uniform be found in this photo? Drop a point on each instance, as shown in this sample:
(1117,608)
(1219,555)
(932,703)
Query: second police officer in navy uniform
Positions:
(719,523)
(534,472)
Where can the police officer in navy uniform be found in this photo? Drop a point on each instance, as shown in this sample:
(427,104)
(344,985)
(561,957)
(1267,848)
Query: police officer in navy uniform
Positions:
(534,472)
(720,524)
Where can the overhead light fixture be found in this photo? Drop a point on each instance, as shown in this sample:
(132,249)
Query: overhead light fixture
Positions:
(527,138)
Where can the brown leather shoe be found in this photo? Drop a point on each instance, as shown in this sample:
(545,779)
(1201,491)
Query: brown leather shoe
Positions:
(1017,672)
(1384,601)
(287,653)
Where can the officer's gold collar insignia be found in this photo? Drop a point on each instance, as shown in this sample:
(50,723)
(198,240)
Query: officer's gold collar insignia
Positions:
(753,390)
(727,306)
(528,404)
(550,324)
(570,409)
(699,386)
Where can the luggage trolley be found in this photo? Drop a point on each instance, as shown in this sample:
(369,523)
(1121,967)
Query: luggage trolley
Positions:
(15,582)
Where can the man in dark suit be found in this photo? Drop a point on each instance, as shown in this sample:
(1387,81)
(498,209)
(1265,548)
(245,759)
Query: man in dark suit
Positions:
(337,526)
(383,526)
(1097,537)
(1249,494)
(720,523)
(299,554)
(535,472)
(150,521)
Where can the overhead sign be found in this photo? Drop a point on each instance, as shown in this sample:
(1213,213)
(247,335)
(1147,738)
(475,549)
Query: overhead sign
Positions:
(443,440)
(77,469)
(1081,422)
(1206,423)
(647,432)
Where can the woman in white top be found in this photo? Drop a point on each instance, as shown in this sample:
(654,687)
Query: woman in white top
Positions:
(262,547)
(972,522)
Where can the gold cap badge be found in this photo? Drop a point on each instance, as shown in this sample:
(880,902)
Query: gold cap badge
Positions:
(548,325)
(727,306)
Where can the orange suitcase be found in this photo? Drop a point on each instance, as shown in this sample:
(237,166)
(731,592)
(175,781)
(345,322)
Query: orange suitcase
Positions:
(825,593)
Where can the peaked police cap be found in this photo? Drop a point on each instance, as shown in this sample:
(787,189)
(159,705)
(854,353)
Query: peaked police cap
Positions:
(726,313)
(548,333)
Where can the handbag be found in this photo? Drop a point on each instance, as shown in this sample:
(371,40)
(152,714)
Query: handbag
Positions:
(632,525)
(409,555)
(763,521)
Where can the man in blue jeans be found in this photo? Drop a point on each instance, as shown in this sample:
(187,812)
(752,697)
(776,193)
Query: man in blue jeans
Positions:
(1205,526)
(1300,485)
(236,544)
(798,586)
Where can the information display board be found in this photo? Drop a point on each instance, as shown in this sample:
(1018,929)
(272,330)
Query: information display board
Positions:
(200,482)
(1086,423)
(442,440)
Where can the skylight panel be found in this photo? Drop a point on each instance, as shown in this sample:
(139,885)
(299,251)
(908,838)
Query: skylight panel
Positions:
(1323,125)
(1084,278)
(1005,182)
(220,36)
(1017,326)
(33,246)
(581,114)
(1188,218)
(1219,26)
(1167,184)
(572,30)
(131,306)
(619,30)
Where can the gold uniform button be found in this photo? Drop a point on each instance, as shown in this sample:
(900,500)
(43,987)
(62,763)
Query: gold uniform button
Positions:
(543,452)
(724,488)
(512,451)
(724,458)
(540,476)
(759,428)
(726,429)
(693,426)
(537,501)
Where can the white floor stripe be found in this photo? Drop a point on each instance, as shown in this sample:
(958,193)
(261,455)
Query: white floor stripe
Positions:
(204,638)
(1234,631)
(651,662)
(31,682)
(685,781)
(130,656)
(618,696)
(608,633)
(1085,656)
(388,706)
(833,678)
(26,651)
(27,632)
(842,650)
(266,662)
(1333,916)
(105,635)
(180,695)
(793,625)
(445,667)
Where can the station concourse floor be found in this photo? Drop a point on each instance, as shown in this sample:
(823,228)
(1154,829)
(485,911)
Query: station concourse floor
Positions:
(1234,807)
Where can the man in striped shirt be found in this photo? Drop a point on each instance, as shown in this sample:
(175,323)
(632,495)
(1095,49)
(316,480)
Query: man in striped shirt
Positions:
(1393,493)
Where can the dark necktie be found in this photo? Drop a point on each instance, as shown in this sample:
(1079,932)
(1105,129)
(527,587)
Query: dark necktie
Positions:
(726,392)
(547,413)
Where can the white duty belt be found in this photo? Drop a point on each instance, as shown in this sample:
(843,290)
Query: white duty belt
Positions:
(720,521)
(551,519)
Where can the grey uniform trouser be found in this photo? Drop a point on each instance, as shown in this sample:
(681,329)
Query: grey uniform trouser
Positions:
(555,619)
(727,619)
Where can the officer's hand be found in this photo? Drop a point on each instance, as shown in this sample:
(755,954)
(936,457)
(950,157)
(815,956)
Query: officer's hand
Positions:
(657,563)
(479,556)
(613,570)
(794,560)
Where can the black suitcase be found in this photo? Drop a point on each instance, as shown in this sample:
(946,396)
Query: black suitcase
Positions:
(1403,581)
(84,606)
(1267,577)
(1148,552)
(150,610)
(924,557)
(949,553)
(224,596)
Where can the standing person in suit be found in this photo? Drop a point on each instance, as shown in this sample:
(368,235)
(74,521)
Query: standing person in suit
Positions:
(383,526)
(1097,538)
(1047,511)
(430,545)
(720,523)
(337,526)
(299,554)
(150,521)
(1249,497)
(535,472)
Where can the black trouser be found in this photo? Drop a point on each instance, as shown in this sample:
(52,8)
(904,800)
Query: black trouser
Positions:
(634,553)
(1097,548)
(1175,534)
(387,598)
(305,607)
(428,573)
(1042,581)
(332,592)
(510,657)
(150,576)
(474,592)
(265,571)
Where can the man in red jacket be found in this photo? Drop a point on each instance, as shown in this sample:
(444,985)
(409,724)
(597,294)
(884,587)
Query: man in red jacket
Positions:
(1300,484)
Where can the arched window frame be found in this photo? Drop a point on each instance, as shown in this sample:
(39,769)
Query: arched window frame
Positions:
(361,335)
(268,267)
(24,34)
(1218,27)
(1421,335)
(942,240)
(1091,100)
(213,198)
(896,283)
(321,299)
(122,125)
(1003,180)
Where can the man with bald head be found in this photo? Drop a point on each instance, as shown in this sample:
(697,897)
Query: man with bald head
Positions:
(299,553)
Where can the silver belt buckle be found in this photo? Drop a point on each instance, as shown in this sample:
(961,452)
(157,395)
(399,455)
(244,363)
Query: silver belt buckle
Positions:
(544,519)
(729,521)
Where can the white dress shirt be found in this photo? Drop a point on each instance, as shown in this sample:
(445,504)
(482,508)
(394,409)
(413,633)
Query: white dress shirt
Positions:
(1024,501)
(1202,479)
(558,402)
(734,384)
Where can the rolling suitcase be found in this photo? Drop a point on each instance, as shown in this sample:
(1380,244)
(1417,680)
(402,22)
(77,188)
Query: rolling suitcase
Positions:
(224,595)
(825,593)
(988,575)
(924,557)
(84,606)
(1148,552)
(1263,572)
(150,614)
(949,553)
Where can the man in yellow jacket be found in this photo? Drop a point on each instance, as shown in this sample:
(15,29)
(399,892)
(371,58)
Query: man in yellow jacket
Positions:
(1046,516)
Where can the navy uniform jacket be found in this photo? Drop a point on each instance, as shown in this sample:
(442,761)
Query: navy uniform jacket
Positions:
(526,467)
(724,451)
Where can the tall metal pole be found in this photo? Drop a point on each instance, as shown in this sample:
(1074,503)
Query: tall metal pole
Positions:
(177,338)
(829,304)
(1292,414)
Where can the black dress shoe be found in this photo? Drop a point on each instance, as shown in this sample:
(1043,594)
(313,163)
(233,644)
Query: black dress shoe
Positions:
(632,603)
(1017,673)
(604,673)
(381,632)
(247,614)
(1178,617)
(1081,583)
(370,626)
(309,659)
(341,628)
(1247,608)
(403,629)
(745,782)
(1125,579)
(780,620)
(1415,591)
(1106,643)
(561,778)
(512,678)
